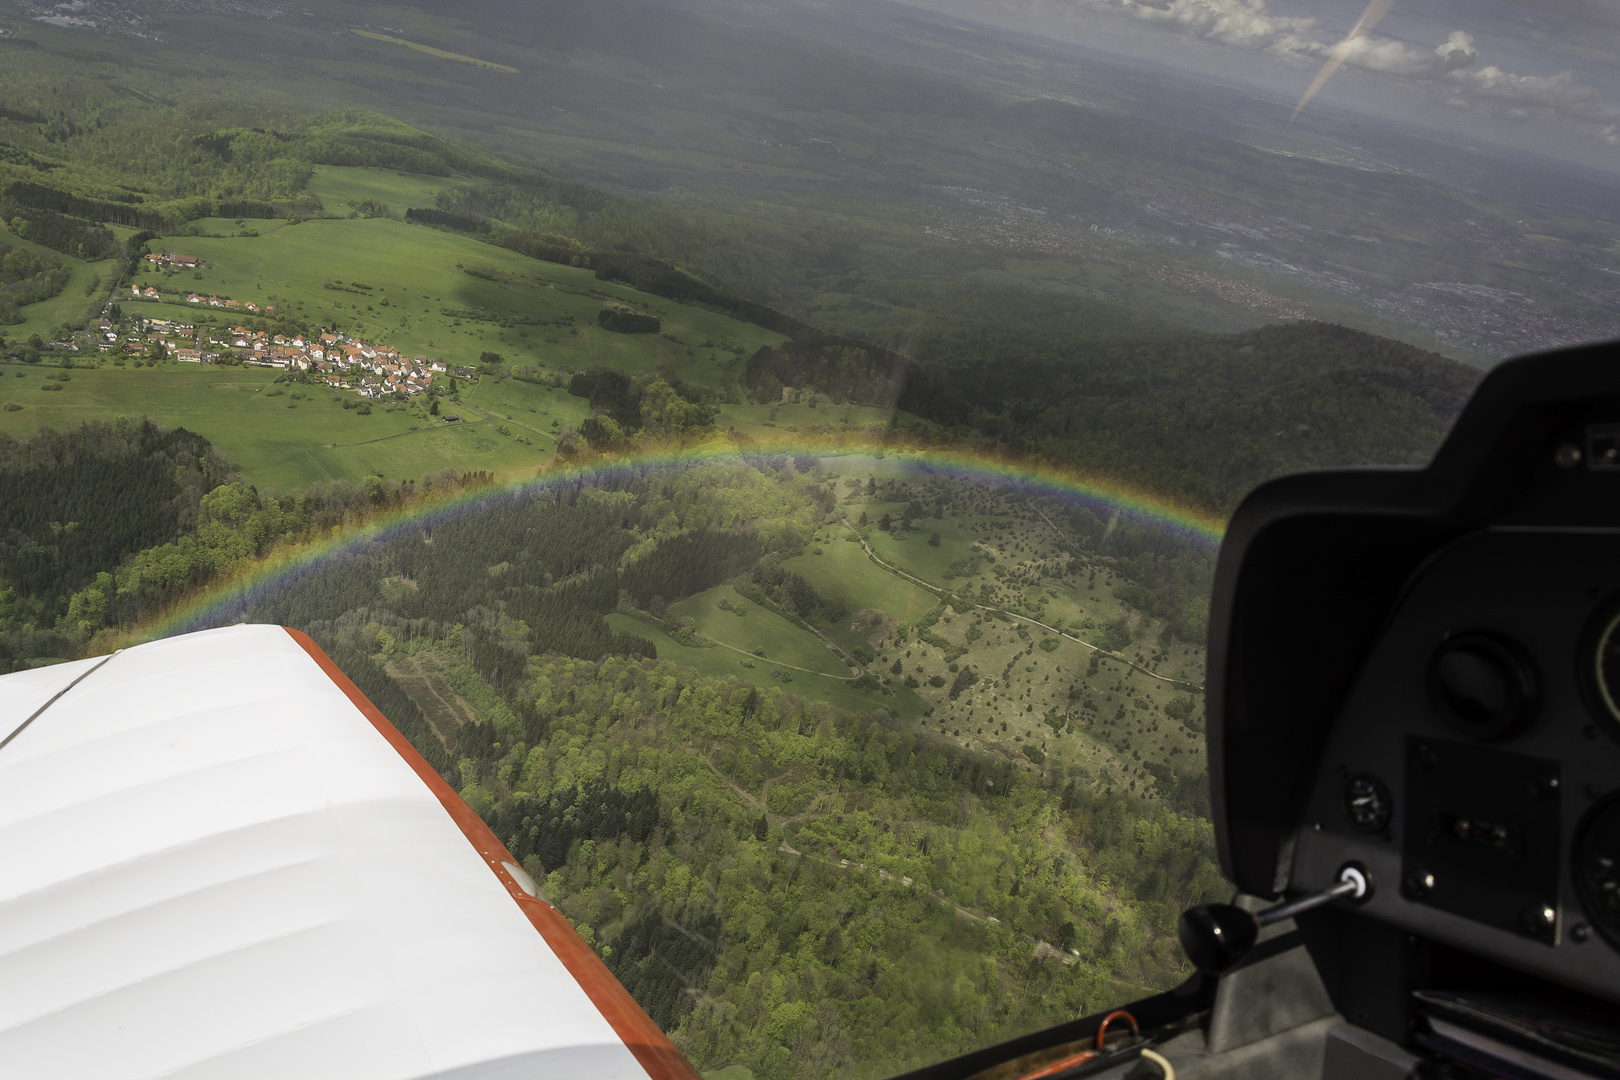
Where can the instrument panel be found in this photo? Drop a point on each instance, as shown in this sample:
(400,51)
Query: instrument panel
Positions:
(1474,768)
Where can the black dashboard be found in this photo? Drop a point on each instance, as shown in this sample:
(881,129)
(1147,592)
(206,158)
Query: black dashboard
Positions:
(1475,767)
(1416,672)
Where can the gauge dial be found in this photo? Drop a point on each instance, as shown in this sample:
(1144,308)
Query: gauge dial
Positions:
(1606,664)
(1597,868)
(1367,804)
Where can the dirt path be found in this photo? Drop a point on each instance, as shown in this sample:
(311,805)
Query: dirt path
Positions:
(938,591)
(488,415)
(383,438)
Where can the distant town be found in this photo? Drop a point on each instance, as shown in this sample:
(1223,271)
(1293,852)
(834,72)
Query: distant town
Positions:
(345,362)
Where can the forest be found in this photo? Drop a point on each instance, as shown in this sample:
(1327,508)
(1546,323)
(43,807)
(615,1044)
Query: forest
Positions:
(1206,416)
(797,889)
(782,883)
(75,506)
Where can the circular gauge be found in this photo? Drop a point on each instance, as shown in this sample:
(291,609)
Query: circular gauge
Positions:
(1484,684)
(1367,804)
(1600,663)
(1597,867)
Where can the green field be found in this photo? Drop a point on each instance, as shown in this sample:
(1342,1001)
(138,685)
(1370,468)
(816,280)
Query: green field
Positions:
(430,292)
(782,421)
(842,572)
(714,660)
(759,631)
(342,187)
(541,412)
(284,448)
(1020,680)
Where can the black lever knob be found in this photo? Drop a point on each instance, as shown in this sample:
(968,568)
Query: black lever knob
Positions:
(1217,936)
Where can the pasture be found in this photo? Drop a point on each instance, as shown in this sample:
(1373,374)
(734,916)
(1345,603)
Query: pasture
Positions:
(714,660)
(342,188)
(757,630)
(280,441)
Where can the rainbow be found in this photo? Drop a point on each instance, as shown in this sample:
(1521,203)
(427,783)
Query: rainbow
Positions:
(220,601)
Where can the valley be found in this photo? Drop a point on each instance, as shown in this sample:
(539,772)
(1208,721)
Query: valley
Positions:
(768,458)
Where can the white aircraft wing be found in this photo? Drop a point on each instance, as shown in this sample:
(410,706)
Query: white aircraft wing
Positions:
(218,859)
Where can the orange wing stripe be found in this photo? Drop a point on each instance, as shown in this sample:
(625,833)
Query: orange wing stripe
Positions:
(633,1026)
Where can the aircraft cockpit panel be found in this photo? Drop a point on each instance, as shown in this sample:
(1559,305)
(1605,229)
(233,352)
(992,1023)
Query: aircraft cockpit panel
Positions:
(1474,769)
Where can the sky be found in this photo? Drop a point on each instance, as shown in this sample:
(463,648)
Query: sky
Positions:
(1537,75)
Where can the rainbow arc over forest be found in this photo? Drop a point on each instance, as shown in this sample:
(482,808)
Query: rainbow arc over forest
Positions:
(220,602)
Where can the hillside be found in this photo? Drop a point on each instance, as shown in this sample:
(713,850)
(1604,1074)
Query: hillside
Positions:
(867,774)
(642,420)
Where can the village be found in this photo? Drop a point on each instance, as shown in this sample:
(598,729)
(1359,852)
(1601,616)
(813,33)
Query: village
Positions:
(342,361)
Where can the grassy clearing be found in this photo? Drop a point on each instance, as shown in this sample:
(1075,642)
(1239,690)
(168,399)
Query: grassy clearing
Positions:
(275,446)
(1020,681)
(843,572)
(540,412)
(759,631)
(343,187)
(718,661)
(772,421)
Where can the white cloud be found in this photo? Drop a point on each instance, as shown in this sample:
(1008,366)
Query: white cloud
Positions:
(1250,24)
(1244,23)
(1562,93)
(1399,58)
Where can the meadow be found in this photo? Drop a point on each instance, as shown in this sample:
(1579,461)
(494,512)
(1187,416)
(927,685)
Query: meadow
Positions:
(429,292)
(734,641)
(342,188)
(285,437)
(1038,609)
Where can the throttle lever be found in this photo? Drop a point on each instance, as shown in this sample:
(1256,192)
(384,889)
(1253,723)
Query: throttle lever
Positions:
(1217,936)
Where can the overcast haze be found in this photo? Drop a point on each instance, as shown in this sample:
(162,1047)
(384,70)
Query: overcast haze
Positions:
(1540,77)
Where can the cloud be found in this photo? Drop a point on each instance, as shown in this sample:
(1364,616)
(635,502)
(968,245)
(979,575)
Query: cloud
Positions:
(1244,23)
(1562,93)
(1399,58)
(1376,10)
(1251,24)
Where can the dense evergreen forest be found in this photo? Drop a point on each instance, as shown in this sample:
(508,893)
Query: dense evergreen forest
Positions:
(74,506)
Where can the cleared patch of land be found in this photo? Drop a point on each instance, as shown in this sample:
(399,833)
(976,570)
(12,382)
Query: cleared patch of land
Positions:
(342,188)
(1033,607)
(714,660)
(281,441)
(757,630)
(422,677)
